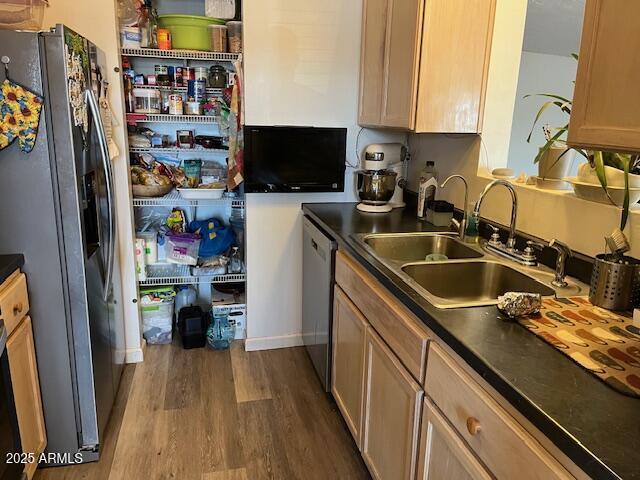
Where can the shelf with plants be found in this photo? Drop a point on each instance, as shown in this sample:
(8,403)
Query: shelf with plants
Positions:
(181,54)
(174,199)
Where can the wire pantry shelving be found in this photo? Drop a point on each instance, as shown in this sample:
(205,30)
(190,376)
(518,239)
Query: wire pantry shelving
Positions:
(192,279)
(174,199)
(210,91)
(176,151)
(180,54)
(166,118)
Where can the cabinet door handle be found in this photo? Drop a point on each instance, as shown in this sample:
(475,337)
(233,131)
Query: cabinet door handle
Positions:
(473,425)
(17,308)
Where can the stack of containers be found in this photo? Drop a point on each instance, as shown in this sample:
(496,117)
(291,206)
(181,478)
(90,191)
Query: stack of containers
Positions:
(156,305)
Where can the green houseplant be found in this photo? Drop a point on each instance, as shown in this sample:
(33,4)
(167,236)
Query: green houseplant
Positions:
(598,160)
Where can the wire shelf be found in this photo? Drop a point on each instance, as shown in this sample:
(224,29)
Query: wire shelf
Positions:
(165,118)
(180,54)
(174,199)
(192,280)
(176,151)
(211,91)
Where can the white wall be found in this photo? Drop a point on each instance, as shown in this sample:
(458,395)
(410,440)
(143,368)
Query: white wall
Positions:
(539,73)
(301,68)
(97,22)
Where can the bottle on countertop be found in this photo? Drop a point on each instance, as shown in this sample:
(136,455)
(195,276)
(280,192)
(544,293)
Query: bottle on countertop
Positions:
(427,187)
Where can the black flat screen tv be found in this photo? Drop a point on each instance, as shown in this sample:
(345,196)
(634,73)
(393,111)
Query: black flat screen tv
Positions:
(294,159)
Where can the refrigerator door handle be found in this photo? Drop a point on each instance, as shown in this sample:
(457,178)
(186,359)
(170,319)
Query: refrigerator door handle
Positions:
(106,162)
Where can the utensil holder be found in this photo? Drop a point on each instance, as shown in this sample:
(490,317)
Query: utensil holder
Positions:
(615,286)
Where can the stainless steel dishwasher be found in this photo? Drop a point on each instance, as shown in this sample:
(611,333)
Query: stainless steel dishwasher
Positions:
(318,261)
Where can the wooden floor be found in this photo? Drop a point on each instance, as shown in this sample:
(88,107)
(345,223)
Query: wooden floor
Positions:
(229,415)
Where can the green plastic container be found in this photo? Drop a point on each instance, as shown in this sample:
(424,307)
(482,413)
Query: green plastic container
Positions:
(189,32)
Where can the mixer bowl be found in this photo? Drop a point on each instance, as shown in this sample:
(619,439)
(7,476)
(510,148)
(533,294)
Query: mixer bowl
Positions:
(375,187)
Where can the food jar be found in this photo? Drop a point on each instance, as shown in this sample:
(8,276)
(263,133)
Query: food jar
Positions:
(164,39)
(146,100)
(175,104)
(218,38)
(217,77)
(202,73)
(235,36)
(193,108)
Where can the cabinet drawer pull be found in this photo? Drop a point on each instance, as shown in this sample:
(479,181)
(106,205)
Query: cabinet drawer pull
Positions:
(473,425)
(17,308)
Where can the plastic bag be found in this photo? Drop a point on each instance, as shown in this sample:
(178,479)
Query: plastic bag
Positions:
(182,248)
(216,237)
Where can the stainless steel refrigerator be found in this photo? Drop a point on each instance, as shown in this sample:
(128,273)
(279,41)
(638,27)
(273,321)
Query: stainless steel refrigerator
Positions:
(57,208)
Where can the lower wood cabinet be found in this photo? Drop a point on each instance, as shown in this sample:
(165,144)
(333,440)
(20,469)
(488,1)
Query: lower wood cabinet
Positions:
(392,404)
(347,378)
(443,454)
(26,392)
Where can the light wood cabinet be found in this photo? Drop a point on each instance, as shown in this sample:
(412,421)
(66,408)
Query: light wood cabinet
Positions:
(424,64)
(392,404)
(347,379)
(26,392)
(443,455)
(606,98)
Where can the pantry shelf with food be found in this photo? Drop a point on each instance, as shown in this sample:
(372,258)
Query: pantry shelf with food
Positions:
(181,54)
(184,127)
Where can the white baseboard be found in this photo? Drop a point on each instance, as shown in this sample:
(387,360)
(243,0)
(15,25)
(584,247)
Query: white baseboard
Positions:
(133,355)
(270,343)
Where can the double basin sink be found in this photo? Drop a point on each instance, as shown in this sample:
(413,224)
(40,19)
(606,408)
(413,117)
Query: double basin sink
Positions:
(448,272)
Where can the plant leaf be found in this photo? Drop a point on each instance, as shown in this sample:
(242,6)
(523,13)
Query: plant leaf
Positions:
(600,172)
(544,106)
(575,56)
(550,143)
(549,95)
(625,203)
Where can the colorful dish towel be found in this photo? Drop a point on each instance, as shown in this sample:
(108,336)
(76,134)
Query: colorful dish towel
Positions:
(605,343)
(19,115)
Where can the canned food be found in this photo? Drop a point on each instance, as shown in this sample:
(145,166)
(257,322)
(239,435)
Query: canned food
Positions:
(202,73)
(196,90)
(175,104)
(175,76)
(188,73)
(164,39)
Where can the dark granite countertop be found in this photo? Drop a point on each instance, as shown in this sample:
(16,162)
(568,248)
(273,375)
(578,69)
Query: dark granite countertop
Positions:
(9,264)
(595,426)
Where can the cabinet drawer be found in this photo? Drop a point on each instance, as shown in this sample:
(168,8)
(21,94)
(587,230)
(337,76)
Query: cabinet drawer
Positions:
(14,301)
(397,327)
(498,440)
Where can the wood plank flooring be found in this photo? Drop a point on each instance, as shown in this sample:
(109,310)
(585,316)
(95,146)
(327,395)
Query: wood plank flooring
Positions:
(229,415)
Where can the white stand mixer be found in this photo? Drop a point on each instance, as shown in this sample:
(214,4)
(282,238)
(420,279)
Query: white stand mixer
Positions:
(382,178)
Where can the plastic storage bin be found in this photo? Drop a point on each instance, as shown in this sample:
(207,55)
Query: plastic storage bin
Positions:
(225,9)
(188,32)
(157,315)
(147,100)
(22,14)
(218,38)
(234,30)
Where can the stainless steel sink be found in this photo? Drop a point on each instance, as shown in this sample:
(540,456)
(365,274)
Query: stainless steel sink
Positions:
(414,247)
(469,283)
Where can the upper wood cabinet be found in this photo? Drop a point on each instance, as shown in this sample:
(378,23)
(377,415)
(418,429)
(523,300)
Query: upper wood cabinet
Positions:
(606,101)
(349,329)
(424,63)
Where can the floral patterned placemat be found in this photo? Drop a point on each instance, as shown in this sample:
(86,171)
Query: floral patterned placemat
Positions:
(605,343)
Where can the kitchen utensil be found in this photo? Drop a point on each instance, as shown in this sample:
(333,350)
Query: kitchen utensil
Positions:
(617,242)
(375,189)
(188,32)
(615,284)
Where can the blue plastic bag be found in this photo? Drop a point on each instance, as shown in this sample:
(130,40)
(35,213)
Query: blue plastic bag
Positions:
(216,237)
